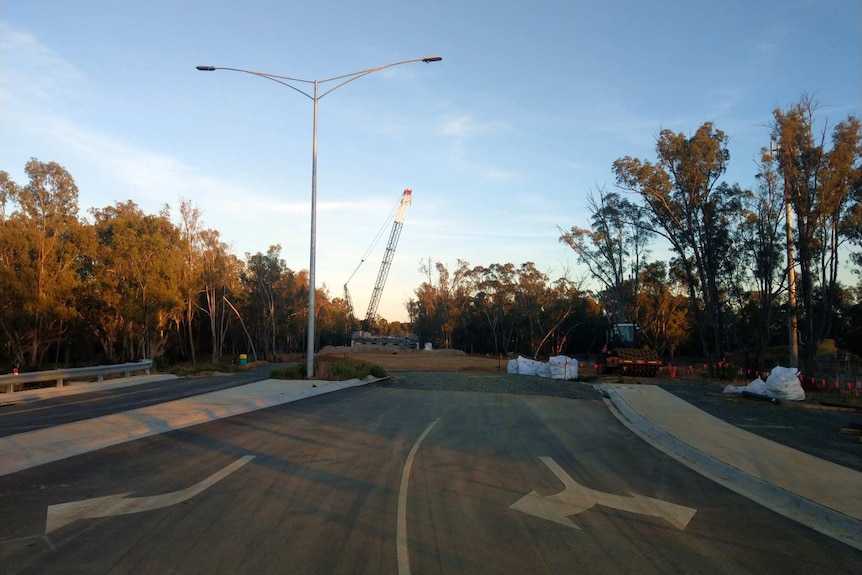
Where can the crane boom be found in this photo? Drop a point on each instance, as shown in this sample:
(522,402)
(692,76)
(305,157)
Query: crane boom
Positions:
(349,301)
(406,200)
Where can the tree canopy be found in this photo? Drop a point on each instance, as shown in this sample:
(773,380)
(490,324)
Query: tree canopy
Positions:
(129,285)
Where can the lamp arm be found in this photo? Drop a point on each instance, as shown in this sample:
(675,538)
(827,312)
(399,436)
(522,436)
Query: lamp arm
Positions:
(356,75)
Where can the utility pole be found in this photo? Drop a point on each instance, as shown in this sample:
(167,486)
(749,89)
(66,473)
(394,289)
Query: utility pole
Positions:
(791,272)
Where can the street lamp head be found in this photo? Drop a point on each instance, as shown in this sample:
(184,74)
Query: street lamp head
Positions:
(205,68)
(429,59)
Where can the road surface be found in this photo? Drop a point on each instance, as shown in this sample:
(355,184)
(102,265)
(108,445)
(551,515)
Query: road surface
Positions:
(381,480)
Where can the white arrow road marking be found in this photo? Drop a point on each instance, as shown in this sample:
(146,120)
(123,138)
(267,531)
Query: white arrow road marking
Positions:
(575,498)
(64,513)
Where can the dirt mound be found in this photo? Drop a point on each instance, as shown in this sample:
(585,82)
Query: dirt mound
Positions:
(418,360)
(360,349)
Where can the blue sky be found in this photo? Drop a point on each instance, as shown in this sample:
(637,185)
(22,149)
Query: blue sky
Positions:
(500,142)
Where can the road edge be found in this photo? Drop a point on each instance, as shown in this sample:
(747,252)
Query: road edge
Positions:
(822,519)
(34,448)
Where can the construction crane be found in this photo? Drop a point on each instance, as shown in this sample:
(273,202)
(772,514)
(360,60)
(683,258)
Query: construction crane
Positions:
(377,292)
(406,200)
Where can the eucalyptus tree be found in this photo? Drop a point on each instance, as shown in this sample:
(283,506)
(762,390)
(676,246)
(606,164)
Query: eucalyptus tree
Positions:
(41,241)
(500,308)
(663,312)
(135,296)
(442,303)
(451,294)
(333,322)
(545,310)
(822,186)
(564,311)
(420,312)
(494,303)
(218,277)
(260,279)
(530,294)
(612,249)
(294,297)
(761,234)
(687,205)
(190,228)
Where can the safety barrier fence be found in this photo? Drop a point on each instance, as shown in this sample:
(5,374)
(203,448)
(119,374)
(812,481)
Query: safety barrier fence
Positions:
(13,382)
(845,386)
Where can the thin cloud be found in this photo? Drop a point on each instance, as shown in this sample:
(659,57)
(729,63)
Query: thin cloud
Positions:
(465,125)
(32,72)
(37,85)
(501,175)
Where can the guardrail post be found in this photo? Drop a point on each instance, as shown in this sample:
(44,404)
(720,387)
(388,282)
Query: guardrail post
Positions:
(10,383)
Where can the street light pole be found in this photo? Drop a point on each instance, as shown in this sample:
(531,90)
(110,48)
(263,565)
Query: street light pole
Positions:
(309,346)
(316,97)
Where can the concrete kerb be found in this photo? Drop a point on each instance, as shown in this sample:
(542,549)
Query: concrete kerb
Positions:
(34,448)
(823,519)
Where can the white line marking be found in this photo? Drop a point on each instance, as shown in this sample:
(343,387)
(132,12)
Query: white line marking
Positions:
(401,523)
(64,513)
(576,498)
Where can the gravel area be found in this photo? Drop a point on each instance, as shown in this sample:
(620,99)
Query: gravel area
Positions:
(813,431)
(488,382)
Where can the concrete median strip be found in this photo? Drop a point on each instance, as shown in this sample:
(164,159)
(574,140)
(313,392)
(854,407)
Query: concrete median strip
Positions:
(817,493)
(26,450)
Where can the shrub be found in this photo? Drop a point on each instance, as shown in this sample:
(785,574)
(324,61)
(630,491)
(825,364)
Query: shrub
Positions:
(292,371)
(331,368)
(202,368)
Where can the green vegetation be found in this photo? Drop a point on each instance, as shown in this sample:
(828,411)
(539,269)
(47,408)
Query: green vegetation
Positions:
(331,368)
(292,371)
(124,285)
(188,370)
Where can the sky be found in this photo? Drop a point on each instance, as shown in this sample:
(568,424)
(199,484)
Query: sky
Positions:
(501,142)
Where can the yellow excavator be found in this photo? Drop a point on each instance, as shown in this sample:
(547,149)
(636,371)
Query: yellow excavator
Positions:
(623,354)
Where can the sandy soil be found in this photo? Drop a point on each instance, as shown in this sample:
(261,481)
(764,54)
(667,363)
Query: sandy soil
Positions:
(418,360)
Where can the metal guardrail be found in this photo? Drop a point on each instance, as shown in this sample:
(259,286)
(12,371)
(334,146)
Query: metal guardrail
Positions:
(15,382)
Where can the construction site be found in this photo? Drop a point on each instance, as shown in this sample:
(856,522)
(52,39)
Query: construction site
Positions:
(362,334)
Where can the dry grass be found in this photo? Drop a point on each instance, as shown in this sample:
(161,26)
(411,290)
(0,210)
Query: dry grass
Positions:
(419,360)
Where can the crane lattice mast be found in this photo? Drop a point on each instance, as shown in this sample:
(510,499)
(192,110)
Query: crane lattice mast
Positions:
(349,301)
(406,200)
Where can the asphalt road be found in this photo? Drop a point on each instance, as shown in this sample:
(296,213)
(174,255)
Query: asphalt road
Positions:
(317,486)
(30,416)
(813,431)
